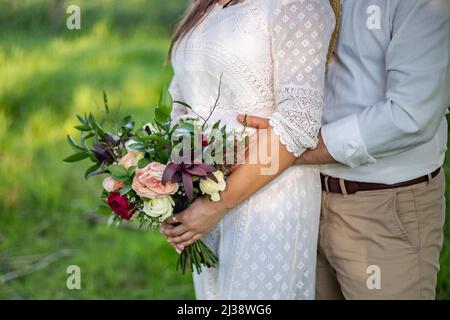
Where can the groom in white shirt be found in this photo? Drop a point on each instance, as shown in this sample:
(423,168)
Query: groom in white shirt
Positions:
(382,146)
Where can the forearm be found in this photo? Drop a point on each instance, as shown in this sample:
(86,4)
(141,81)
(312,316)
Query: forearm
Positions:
(320,155)
(249,178)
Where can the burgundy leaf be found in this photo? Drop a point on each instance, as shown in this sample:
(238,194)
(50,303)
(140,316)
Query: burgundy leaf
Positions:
(212,177)
(188,185)
(208,167)
(196,171)
(169,173)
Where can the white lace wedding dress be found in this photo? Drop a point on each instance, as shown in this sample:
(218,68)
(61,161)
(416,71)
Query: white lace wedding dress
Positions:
(272,54)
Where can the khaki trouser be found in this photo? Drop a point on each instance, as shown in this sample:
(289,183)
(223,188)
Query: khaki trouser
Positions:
(381,244)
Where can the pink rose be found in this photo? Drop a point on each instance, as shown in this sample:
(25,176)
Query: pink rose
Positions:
(148,183)
(131,159)
(112,185)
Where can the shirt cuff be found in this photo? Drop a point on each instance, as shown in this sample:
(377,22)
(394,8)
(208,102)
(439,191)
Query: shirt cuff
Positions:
(343,141)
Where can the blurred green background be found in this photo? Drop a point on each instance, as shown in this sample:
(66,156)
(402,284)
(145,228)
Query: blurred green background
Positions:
(48,74)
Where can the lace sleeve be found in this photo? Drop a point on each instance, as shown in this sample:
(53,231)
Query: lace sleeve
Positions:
(301,34)
(178,110)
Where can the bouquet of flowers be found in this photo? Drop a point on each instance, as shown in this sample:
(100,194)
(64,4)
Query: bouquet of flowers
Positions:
(159,169)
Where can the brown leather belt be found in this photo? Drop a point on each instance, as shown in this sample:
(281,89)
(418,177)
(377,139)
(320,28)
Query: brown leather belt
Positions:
(345,187)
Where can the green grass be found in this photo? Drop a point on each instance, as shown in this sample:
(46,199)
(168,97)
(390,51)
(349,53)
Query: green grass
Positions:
(443,290)
(46,79)
(47,76)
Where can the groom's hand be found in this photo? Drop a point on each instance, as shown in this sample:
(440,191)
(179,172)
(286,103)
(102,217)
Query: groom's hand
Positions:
(193,223)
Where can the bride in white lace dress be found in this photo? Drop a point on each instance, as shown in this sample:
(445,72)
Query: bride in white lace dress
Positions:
(272,55)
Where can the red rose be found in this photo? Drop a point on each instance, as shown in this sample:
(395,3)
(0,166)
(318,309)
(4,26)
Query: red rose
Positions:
(204,140)
(119,204)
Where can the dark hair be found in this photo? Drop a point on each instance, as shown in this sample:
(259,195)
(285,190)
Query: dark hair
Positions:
(194,14)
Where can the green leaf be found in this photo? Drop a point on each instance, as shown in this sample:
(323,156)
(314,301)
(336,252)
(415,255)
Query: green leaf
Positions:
(165,101)
(154,138)
(125,190)
(161,117)
(128,122)
(187,126)
(73,143)
(98,129)
(183,104)
(131,171)
(105,102)
(92,120)
(83,128)
(84,138)
(118,170)
(137,146)
(143,163)
(77,157)
(90,170)
(216,125)
(82,120)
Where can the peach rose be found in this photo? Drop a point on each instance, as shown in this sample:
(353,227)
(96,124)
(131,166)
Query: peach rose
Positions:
(131,159)
(112,185)
(147,182)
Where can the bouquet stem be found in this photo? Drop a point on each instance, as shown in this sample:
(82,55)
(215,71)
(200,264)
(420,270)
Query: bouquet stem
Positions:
(195,256)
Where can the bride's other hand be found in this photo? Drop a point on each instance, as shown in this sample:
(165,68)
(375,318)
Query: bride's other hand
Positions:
(254,122)
(247,179)
(193,223)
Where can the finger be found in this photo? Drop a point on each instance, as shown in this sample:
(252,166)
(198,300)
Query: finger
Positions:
(178,248)
(254,122)
(183,238)
(166,226)
(196,238)
(174,246)
(176,231)
(172,220)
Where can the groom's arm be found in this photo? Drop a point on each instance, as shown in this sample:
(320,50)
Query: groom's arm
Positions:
(417,94)
(418,81)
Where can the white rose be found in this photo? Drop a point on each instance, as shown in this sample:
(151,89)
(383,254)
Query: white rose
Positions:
(213,188)
(159,208)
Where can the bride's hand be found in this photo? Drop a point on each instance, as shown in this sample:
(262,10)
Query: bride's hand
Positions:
(254,122)
(194,222)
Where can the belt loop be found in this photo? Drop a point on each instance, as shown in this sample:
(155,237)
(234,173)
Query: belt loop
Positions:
(430,178)
(343,188)
(327,187)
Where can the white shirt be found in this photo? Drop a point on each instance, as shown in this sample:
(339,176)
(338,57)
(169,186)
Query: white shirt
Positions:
(387,91)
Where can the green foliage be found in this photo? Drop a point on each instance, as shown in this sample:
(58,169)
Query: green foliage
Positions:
(49,16)
(48,76)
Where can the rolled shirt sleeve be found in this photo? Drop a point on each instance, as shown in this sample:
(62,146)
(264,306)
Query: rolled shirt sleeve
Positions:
(344,142)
